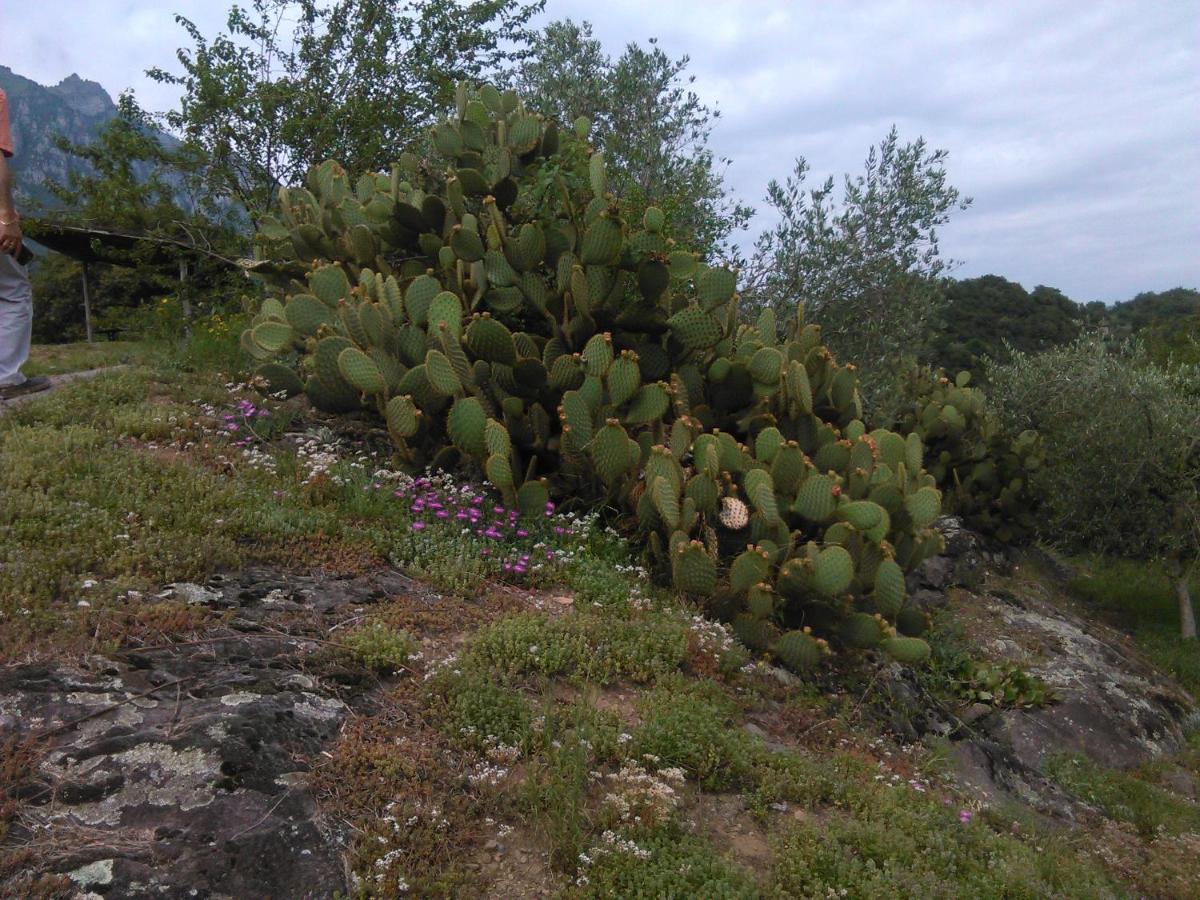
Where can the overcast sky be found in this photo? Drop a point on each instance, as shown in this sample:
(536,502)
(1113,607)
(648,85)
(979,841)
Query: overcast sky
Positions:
(1074,125)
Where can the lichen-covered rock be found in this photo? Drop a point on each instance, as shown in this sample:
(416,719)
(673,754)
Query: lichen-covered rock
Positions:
(182,772)
(1109,703)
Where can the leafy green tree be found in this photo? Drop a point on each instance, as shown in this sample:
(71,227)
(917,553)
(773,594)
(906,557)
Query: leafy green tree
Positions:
(865,267)
(983,317)
(124,182)
(1168,322)
(131,182)
(651,125)
(293,82)
(1121,473)
(1159,310)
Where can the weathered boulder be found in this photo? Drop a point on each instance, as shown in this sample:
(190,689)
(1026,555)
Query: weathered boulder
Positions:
(1110,703)
(182,771)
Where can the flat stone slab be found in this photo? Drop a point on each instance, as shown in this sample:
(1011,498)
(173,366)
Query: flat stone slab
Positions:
(57,381)
(181,771)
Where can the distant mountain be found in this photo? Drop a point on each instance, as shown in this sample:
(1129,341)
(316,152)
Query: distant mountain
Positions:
(75,108)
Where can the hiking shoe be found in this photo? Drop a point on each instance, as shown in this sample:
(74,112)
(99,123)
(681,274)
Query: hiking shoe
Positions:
(28,386)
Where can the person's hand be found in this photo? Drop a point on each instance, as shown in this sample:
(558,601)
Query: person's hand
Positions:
(10,235)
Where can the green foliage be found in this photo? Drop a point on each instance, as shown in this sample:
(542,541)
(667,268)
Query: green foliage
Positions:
(686,724)
(1125,796)
(57,359)
(1139,598)
(1119,434)
(562,372)
(482,713)
(357,80)
(555,792)
(652,129)
(128,180)
(667,863)
(904,843)
(600,648)
(1004,684)
(866,268)
(985,473)
(379,648)
(1155,312)
(1167,322)
(1120,452)
(984,317)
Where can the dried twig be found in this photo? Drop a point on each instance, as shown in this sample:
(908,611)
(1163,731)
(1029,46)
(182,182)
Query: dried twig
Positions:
(99,712)
(265,816)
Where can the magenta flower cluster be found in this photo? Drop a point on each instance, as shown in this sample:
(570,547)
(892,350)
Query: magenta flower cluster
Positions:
(469,509)
(247,412)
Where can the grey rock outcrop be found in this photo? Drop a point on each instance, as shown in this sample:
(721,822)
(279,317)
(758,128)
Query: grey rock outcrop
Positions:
(183,771)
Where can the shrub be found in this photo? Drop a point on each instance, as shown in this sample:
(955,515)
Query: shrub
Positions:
(379,648)
(685,725)
(668,863)
(505,315)
(906,844)
(1125,796)
(600,648)
(1122,471)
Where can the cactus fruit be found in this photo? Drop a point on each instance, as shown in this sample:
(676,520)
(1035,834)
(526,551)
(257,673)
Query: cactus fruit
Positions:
(562,340)
(734,514)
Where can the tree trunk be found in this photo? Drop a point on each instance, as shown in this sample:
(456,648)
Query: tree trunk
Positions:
(1187,616)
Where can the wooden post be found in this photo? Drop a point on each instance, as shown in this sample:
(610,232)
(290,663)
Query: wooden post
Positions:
(185,301)
(87,305)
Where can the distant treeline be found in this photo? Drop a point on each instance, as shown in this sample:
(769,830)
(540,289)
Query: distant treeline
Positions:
(982,315)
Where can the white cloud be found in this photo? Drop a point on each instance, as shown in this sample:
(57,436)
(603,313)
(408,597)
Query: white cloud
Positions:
(1074,126)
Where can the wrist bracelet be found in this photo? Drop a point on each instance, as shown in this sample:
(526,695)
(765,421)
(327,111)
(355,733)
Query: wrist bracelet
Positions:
(16,221)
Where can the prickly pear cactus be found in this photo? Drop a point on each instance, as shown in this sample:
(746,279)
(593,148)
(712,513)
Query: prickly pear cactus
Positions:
(497,308)
(983,473)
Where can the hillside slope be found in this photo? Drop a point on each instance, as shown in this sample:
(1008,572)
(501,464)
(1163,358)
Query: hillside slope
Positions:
(242,655)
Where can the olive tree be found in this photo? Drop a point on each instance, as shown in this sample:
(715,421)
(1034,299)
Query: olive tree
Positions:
(1122,440)
(865,266)
(650,123)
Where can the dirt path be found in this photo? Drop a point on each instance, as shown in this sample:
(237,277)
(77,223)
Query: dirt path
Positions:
(57,381)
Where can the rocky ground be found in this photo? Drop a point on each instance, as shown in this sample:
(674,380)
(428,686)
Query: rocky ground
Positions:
(184,770)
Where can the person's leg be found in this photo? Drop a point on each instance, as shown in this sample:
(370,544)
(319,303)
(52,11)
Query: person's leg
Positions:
(16,320)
